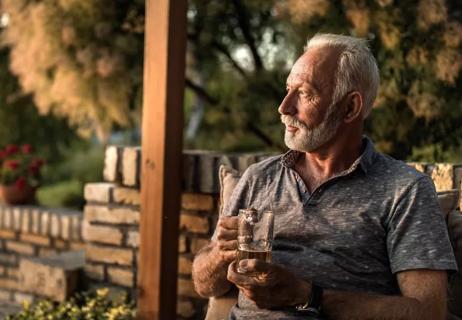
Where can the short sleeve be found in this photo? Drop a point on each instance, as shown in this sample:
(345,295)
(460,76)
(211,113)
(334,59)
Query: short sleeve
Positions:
(417,235)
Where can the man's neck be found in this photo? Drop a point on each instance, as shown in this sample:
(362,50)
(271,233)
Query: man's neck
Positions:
(334,157)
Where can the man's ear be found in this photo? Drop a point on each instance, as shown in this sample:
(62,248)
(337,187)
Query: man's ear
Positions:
(353,107)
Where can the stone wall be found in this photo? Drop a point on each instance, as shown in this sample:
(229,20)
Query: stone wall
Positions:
(28,232)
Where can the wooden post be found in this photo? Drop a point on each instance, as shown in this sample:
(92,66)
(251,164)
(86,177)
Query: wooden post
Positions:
(162,136)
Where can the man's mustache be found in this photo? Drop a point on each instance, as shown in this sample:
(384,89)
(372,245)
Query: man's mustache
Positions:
(291,121)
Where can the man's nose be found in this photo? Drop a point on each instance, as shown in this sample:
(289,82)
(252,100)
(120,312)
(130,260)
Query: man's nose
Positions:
(287,105)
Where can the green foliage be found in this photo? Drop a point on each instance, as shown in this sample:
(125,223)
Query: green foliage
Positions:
(66,193)
(87,306)
(66,180)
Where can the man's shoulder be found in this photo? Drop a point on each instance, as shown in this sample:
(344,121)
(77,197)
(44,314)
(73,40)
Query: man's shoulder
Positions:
(395,171)
(267,167)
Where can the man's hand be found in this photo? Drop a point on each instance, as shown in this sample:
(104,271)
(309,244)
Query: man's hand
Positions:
(226,244)
(211,263)
(269,285)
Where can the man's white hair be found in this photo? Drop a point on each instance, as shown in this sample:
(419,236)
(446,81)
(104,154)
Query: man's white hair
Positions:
(356,70)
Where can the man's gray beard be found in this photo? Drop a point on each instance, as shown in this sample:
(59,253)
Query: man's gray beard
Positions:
(308,140)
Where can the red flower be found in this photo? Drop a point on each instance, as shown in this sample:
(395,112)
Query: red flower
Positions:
(26,148)
(11,149)
(35,166)
(3,154)
(20,183)
(11,164)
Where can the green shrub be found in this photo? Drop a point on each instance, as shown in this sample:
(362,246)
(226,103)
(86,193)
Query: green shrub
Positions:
(94,305)
(61,194)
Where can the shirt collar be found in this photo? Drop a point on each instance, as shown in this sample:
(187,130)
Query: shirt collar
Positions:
(364,160)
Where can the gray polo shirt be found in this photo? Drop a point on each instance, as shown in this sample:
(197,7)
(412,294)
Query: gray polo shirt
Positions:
(354,232)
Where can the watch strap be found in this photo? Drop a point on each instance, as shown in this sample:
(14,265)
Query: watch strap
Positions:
(313,305)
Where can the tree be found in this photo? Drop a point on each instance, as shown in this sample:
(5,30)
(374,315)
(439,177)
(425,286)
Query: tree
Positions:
(80,59)
(418,48)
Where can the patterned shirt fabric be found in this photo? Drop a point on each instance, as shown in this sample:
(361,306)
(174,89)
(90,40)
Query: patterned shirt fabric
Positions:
(354,232)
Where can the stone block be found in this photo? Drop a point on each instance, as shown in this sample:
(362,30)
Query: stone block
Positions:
(124,195)
(185,309)
(17,218)
(19,247)
(190,179)
(45,219)
(123,277)
(193,223)
(113,215)
(8,218)
(102,234)
(185,287)
(46,252)
(112,162)
(65,226)
(443,176)
(76,227)
(7,234)
(12,273)
(197,244)
(133,238)
(55,227)
(34,238)
(11,284)
(182,245)
(5,295)
(184,265)
(131,163)
(98,192)
(208,172)
(61,244)
(109,255)
(26,221)
(35,217)
(94,271)
(77,245)
(197,201)
(55,277)
(8,259)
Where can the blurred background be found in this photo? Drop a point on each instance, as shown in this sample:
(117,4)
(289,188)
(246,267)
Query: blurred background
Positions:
(71,77)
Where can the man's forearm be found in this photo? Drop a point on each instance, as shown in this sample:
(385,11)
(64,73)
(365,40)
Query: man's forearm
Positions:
(209,273)
(347,305)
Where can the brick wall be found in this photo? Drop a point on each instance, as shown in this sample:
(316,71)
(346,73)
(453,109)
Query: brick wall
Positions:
(31,232)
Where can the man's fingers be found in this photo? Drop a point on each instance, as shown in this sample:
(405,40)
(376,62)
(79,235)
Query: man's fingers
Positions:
(227,245)
(239,279)
(229,222)
(256,265)
(226,234)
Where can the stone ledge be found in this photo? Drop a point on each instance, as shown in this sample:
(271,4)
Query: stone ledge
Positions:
(57,223)
(122,165)
(200,168)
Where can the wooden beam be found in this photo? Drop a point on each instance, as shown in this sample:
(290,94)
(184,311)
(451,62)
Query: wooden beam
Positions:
(162,136)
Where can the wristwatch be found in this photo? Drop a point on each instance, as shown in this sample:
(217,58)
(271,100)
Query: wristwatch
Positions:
(313,305)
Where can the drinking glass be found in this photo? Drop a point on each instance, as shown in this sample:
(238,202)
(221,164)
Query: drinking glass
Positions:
(255,235)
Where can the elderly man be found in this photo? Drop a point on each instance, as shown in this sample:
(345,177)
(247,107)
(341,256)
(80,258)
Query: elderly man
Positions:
(358,235)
